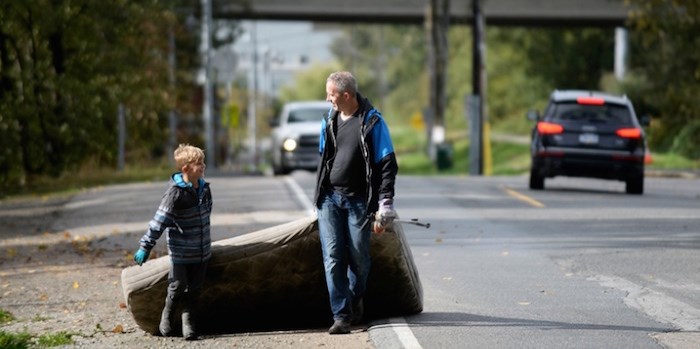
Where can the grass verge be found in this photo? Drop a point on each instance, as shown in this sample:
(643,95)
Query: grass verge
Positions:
(508,159)
(87,178)
(24,340)
(15,340)
(512,159)
(54,339)
(668,161)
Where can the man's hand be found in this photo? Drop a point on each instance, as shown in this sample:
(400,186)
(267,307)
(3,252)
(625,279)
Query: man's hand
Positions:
(141,256)
(385,216)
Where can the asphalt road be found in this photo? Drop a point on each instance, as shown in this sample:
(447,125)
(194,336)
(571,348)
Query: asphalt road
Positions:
(578,265)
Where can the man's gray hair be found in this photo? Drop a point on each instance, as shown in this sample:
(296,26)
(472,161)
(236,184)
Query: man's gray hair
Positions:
(344,82)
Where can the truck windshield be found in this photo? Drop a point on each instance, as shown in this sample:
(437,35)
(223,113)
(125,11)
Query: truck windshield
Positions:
(307,115)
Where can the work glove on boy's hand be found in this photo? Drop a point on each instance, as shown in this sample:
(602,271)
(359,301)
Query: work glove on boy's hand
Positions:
(385,215)
(141,256)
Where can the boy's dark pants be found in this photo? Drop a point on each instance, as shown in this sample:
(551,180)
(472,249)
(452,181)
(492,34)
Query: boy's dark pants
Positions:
(184,282)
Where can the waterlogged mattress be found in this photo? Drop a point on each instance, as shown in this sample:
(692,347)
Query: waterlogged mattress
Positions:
(273,279)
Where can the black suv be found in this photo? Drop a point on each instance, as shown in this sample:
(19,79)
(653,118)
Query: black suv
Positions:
(588,134)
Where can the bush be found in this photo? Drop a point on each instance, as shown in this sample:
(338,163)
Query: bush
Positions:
(687,143)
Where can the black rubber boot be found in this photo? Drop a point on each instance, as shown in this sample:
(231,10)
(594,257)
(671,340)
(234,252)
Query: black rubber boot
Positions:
(165,328)
(188,330)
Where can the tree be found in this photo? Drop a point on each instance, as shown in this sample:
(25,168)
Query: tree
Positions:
(309,85)
(666,71)
(389,62)
(568,58)
(64,67)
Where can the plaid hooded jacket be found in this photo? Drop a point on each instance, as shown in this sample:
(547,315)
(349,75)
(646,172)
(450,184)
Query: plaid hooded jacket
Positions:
(184,213)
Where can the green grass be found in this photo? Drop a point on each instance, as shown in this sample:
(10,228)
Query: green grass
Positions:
(5,316)
(513,159)
(24,340)
(667,161)
(15,340)
(54,339)
(507,159)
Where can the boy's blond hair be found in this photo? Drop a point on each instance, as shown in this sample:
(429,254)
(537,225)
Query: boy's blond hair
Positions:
(188,154)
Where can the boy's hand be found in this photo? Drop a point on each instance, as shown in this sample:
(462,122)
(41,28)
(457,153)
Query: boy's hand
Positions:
(141,256)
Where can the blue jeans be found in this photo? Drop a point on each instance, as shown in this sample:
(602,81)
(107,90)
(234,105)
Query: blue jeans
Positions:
(345,247)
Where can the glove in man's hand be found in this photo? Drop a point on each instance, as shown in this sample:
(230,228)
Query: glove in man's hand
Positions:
(385,216)
(141,256)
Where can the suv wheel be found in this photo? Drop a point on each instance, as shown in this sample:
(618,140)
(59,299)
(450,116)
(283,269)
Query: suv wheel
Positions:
(635,185)
(536,180)
(279,169)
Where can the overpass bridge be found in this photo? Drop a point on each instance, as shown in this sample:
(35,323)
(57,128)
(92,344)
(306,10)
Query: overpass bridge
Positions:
(597,13)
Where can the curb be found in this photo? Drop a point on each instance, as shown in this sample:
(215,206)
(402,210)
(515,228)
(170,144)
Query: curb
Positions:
(686,174)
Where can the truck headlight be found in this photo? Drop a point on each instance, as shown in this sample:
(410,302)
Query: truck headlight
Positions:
(289,144)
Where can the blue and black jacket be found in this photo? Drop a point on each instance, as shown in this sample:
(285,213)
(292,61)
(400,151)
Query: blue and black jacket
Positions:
(184,212)
(377,150)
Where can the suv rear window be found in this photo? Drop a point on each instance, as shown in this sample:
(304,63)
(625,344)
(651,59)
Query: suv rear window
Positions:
(600,114)
(306,115)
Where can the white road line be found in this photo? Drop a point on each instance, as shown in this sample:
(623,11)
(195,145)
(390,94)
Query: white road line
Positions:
(398,325)
(403,331)
(301,196)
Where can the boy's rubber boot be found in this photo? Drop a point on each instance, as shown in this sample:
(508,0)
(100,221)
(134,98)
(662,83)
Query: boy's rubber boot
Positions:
(165,328)
(188,330)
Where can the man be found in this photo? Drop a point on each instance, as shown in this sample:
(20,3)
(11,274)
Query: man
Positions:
(356,178)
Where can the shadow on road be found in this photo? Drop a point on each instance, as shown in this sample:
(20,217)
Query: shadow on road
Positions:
(439,319)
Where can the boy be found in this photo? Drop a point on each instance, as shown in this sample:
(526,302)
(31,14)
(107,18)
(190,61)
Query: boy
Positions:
(184,213)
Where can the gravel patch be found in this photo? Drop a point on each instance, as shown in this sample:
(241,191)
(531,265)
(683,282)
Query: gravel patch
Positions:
(56,278)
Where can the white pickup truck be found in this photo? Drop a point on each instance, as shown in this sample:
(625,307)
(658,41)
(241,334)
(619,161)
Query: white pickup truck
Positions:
(295,136)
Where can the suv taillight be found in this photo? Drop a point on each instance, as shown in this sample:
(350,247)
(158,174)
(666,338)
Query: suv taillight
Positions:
(549,128)
(590,101)
(632,133)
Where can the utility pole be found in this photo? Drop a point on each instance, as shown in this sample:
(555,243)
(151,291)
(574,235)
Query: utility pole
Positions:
(428,111)
(621,47)
(172,117)
(437,24)
(479,91)
(253,101)
(121,140)
(205,51)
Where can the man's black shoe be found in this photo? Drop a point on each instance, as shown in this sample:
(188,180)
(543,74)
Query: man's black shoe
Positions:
(340,327)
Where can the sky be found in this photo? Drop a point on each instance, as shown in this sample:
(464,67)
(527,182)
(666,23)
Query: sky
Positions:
(289,39)
(285,43)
